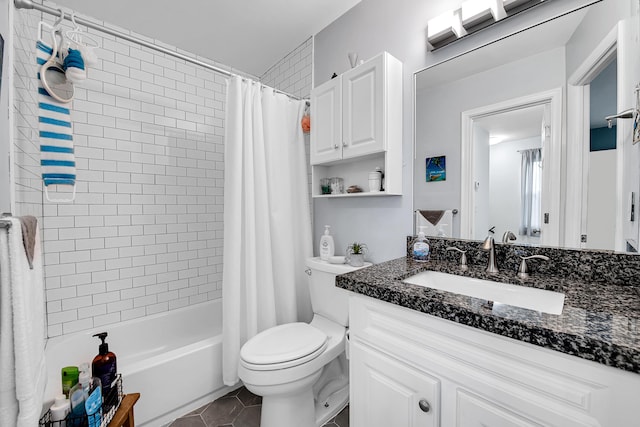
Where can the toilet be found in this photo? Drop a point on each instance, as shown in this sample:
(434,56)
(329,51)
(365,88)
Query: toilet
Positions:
(300,369)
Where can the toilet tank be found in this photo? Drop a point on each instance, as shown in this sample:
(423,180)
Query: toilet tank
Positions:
(326,299)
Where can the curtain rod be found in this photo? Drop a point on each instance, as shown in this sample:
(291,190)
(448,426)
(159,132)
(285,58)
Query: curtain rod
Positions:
(28,4)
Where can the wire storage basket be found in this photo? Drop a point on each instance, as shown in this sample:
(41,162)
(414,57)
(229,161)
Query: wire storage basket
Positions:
(110,405)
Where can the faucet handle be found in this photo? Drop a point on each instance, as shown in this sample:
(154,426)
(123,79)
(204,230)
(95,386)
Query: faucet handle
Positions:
(463,257)
(523,271)
(508,237)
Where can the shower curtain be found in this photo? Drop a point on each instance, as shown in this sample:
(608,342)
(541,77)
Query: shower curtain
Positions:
(267,220)
(530,192)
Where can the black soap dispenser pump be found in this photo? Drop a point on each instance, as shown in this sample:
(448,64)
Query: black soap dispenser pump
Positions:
(104,367)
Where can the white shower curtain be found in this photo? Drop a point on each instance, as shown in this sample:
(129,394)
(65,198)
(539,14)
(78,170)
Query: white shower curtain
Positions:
(267,225)
(530,192)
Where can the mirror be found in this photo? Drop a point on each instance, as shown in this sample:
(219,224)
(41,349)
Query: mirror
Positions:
(521,151)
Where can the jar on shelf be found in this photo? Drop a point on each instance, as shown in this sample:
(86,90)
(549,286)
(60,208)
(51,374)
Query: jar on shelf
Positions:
(337,185)
(325,185)
(375,181)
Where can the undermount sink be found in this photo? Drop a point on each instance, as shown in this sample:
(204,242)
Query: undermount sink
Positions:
(518,296)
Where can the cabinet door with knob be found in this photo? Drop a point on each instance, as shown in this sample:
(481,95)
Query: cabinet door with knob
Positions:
(386,392)
(326,113)
(363,109)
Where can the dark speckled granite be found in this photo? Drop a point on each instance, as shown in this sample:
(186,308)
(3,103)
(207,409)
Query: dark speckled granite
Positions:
(600,320)
(598,266)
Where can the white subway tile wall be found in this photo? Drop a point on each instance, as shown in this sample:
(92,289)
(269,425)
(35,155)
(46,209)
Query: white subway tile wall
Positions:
(293,73)
(144,234)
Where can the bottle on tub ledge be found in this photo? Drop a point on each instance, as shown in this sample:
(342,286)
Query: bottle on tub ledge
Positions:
(86,400)
(59,411)
(420,249)
(104,366)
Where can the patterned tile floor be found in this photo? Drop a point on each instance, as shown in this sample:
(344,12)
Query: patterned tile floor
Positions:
(240,408)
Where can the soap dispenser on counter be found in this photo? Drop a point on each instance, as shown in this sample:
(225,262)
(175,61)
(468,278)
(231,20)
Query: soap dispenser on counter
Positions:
(104,366)
(420,249)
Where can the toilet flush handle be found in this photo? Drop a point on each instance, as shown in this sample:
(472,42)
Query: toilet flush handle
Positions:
(308,271)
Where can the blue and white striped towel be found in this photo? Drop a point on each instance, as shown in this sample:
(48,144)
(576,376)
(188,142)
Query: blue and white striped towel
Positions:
(57,158)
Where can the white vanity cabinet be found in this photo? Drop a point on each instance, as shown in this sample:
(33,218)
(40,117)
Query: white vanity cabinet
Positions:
(411,369)
(357,125)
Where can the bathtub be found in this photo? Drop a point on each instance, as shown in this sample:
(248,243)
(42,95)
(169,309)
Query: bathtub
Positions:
(173,359)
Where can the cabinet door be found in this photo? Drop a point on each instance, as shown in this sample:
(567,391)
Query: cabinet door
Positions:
(386,392)
(363,109)
(326,125)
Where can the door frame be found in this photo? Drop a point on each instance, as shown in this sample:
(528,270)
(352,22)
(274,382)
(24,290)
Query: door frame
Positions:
(578,99)
(552,160)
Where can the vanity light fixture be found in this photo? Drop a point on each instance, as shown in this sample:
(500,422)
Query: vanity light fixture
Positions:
(510,5)
(476,12)
(445,28)
(471,17)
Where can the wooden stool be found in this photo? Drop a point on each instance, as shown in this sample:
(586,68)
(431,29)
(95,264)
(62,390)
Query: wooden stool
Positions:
(124,414)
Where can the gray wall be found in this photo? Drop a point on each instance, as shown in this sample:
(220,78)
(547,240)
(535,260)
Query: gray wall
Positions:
(398,27)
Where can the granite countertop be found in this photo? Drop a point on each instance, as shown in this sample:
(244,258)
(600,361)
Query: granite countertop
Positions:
(599,322)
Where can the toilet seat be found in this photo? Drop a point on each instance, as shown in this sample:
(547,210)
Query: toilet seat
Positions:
(283,346)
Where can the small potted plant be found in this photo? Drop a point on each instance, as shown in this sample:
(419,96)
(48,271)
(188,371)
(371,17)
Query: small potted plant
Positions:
(355,254)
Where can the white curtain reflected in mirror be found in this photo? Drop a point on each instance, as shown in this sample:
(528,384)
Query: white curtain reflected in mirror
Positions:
(530,193)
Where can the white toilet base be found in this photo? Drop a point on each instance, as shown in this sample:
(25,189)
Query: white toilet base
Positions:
(331,406)
(295,410)
(288,405)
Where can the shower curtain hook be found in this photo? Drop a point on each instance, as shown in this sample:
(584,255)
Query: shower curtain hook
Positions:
(60,19)
(73,20)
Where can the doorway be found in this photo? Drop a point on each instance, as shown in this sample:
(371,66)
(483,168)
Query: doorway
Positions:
(508,174)
(601,162)
(528,123)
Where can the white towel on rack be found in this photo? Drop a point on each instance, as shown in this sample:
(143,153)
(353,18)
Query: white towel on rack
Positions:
(442,228)
(22,332)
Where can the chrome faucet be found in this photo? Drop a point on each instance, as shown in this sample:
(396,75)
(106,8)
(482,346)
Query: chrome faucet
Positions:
(489,245)
(508,237)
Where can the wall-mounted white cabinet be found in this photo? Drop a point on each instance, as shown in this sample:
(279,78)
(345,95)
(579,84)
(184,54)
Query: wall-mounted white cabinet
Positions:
(357,126)
(411,369)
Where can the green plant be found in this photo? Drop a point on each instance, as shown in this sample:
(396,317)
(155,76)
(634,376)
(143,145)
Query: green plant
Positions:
(356,248)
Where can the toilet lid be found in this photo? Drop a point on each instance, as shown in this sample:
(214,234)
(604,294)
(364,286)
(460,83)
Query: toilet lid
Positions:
(283,346)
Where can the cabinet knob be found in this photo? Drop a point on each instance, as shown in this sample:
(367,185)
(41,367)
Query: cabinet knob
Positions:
(336,146)
(344,143)
(424,405)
